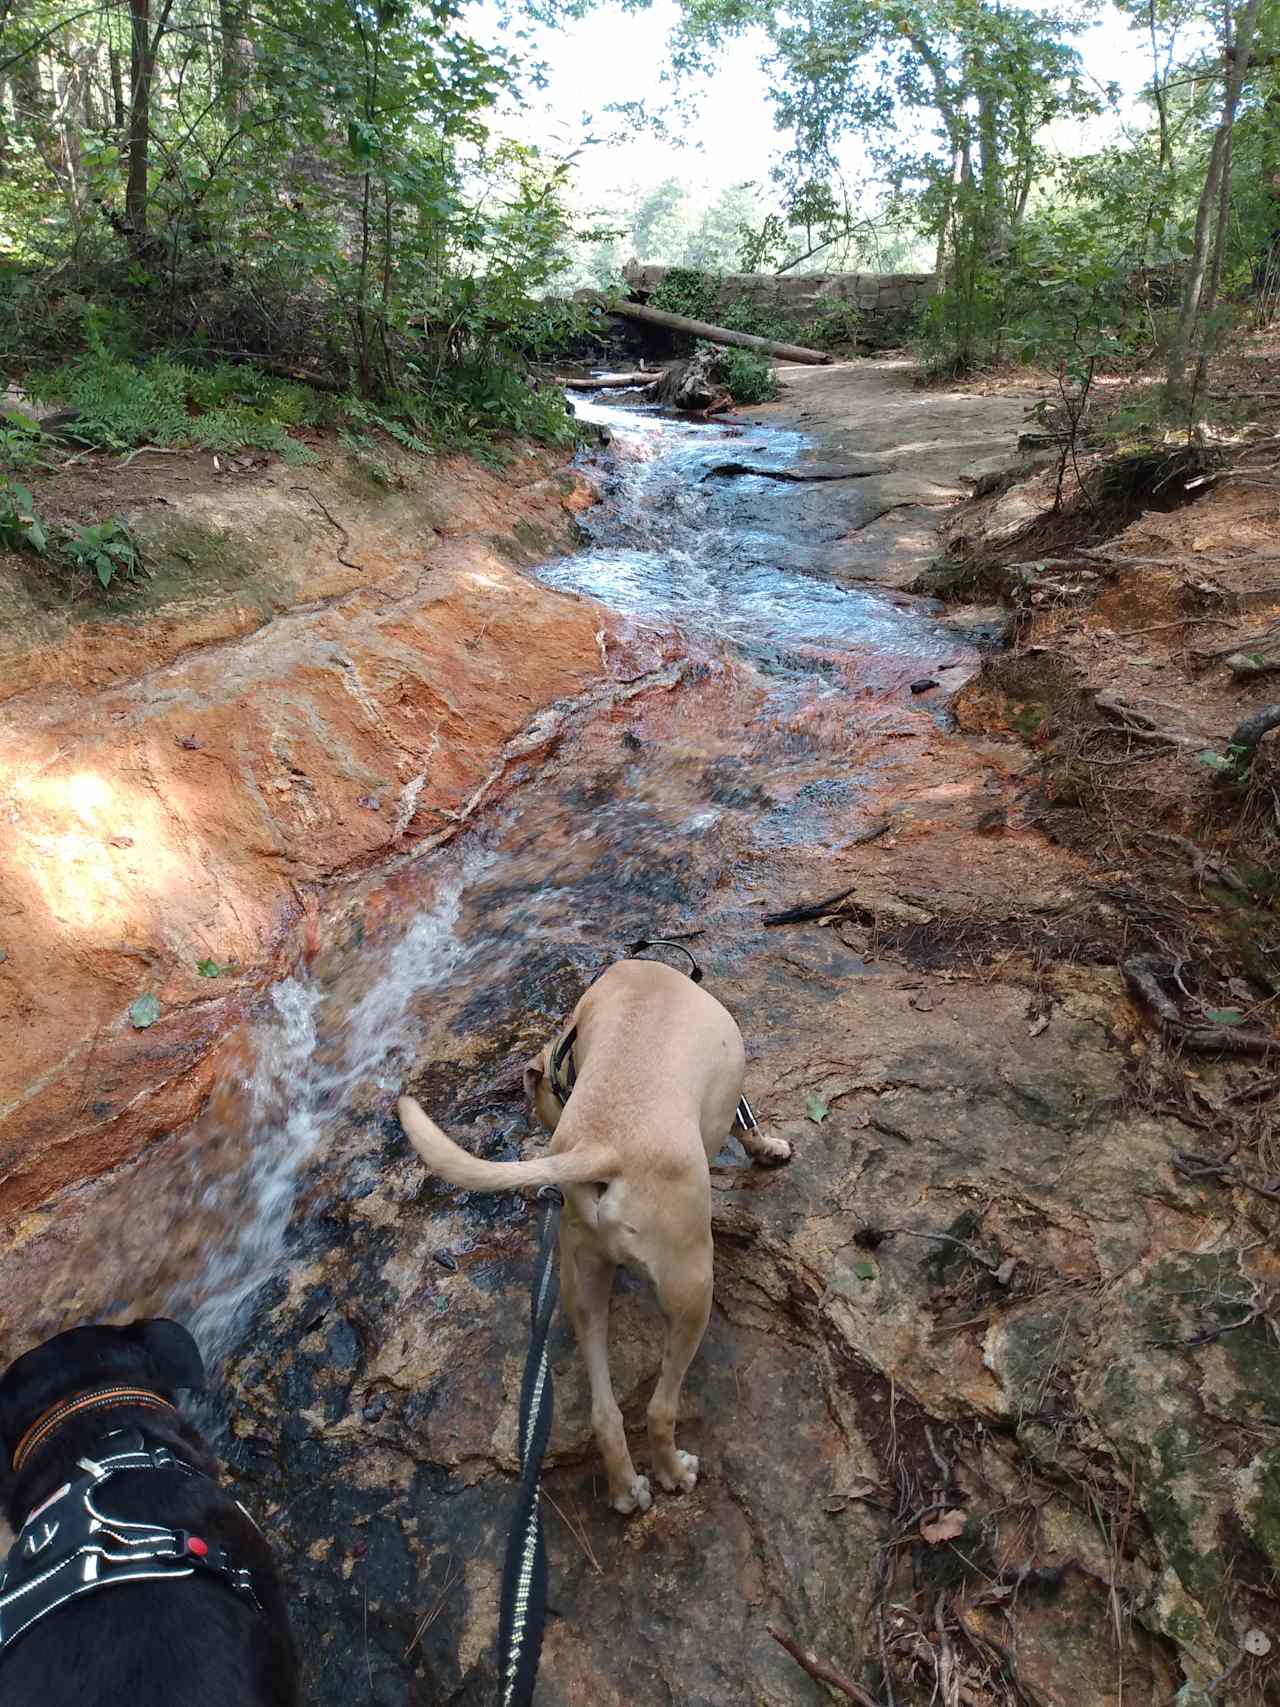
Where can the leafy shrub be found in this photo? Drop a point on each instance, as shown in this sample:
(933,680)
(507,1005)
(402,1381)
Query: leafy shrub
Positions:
(749,377)
(105,549)
(837,329)
(20,527)
(22,442)
(687,291)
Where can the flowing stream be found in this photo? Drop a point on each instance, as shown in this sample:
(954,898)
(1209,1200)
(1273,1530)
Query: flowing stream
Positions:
(750,713)
(790,685)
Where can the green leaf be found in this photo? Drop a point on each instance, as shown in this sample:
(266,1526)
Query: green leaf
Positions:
(1226,1016)
(1212,761)
(865,1269)
(208,969)
(815,1108)
(143,1012)
(105,568)
(37,538)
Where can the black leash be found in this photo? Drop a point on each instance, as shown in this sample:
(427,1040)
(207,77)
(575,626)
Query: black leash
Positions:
(523,1609)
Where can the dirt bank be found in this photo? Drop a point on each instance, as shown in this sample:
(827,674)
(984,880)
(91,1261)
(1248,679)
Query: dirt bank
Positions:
(316,676)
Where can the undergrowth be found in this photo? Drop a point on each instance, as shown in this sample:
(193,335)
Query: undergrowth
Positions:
(115,403)
(103,551)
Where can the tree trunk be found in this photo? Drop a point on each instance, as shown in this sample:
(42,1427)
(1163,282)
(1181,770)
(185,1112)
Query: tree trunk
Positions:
(236,55)
(1217,176)
(140,68)
(117,91)
(996,236)
(716,334)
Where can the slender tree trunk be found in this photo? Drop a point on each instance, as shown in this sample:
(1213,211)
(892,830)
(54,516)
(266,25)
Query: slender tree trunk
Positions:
(236,52)
(1217,184)
(117,91)
(996,237)
(140,68)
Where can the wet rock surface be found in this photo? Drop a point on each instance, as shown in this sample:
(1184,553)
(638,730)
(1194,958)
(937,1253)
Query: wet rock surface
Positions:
(968,1427)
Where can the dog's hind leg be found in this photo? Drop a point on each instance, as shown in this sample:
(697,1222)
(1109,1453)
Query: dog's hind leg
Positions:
(586,1281)
(686,1304)
(758,1145)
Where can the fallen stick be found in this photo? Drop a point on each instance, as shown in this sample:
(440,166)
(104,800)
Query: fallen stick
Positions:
(815,909)
(717,334)
(811,909)
(608,381)
(824,1673)
(1143,972)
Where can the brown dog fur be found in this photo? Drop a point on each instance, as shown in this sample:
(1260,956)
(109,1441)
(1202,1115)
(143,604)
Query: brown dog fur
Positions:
(660,1067)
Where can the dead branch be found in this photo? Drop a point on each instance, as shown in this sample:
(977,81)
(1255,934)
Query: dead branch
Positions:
(824,1673)
(717,334)
(1195,1167)
(1143,972)
(1259,1312)
(609,382)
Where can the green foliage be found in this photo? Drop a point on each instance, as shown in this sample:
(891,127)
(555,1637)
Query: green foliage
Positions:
(684,290)
(749,377)
(104,549)
(688,291)
(837,329)
(20,527)
(313,182)
(22,443)
(120,403)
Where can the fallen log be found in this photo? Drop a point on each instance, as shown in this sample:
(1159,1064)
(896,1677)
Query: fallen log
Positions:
(718,334)
(608,381)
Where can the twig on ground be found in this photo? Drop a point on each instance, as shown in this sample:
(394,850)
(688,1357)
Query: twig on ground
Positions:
(428,1618)
(815,909)
(346,537)
(820,1669)
(579,1533)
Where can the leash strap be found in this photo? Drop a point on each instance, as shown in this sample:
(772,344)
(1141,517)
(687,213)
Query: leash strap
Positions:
(69,1547)
(523,1610)
(695,971)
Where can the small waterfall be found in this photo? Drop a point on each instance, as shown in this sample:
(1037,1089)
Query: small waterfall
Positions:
(309,1061)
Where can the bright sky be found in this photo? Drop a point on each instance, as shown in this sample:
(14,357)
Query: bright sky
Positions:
(615,56)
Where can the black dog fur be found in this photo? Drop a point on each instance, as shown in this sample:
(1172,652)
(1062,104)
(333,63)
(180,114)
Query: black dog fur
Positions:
(146,1644)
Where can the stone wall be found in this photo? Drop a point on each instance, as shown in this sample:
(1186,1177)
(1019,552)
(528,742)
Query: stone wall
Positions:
(886,302)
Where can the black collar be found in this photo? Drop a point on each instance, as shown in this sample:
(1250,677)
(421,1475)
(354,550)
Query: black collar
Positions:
(563,1073)
(69,1547)
(563,1068)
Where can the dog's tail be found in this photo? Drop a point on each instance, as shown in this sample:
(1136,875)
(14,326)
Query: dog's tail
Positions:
(473,1173)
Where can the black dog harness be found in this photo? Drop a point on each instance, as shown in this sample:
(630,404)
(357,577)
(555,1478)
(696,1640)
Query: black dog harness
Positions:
(562,1074)
(70,1547)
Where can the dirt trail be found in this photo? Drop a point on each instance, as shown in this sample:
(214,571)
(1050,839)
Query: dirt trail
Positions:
(979,1414)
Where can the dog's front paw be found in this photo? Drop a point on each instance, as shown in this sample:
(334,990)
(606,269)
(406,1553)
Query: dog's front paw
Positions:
(773,1152)
(636,1499)
(685,1479)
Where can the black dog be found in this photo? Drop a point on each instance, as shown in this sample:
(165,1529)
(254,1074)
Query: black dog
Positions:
(135,1581)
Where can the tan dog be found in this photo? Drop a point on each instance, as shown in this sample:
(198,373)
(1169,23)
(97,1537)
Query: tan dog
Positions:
(659,1067)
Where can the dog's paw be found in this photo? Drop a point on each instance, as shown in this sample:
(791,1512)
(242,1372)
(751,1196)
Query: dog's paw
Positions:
(773,1152)
(686,1477)
(636,1499)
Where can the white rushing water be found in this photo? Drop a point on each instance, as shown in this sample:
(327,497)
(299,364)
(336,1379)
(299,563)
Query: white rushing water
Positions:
(309,1064)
